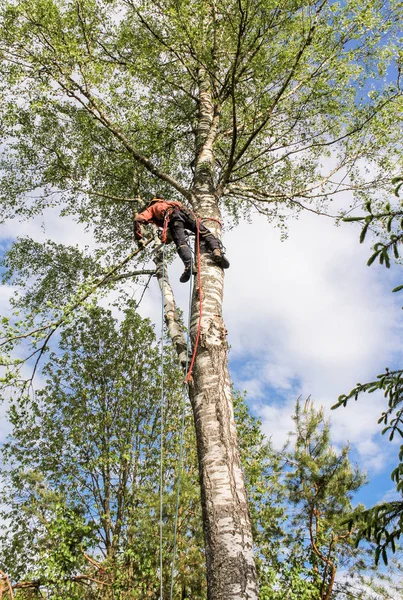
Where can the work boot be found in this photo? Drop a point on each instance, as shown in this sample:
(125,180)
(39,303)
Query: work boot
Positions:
(220,259)
(186,274)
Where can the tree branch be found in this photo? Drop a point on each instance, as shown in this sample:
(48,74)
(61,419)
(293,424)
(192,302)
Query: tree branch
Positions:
(284,86)
(76,90)
(175,330)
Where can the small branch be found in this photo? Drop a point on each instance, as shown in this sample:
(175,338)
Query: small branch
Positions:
(283,88)
(251,194)
(134,274)
(54,325)
(83,29)
(93,108)
(76,188)
(165,44)
(79,92)
(8,583)
(37,583)
(93,562)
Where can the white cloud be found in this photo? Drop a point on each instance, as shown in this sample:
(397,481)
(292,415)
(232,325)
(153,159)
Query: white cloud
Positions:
(6,292)
(49,225)
(277,421)
(390,495)
(308,317)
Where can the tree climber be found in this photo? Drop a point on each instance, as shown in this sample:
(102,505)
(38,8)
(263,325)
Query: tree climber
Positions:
(175,217)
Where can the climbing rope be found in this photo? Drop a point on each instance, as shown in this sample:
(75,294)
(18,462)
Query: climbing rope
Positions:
(196,345)
(181,442)
(210,219)
(189,370)
(162,417)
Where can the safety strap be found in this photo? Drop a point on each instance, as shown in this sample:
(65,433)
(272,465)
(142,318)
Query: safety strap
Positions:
(167,218)
(211,219)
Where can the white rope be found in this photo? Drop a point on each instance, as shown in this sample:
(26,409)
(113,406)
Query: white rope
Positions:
(182,435)
(162,419)
(162,432)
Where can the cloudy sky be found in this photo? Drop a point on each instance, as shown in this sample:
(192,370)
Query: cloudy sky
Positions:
(305,316)
(308,317)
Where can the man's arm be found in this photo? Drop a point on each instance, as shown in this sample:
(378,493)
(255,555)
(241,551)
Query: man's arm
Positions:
(141,218)
(138,234)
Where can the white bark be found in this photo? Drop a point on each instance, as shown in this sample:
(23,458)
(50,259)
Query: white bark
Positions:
(231,572)
(227,528)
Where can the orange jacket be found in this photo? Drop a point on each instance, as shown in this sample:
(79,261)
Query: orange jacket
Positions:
(154,214)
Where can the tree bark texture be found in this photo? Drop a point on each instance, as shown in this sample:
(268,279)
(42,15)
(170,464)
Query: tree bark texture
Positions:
(227,529)
(231,571)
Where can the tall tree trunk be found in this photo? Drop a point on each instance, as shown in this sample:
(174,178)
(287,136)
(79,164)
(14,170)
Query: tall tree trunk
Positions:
(231,571)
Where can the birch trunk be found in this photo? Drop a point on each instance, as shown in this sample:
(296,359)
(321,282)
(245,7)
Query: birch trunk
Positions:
(231,571)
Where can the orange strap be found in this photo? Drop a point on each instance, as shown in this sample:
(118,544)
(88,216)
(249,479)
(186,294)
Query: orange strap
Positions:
(211,219)
(167,217)
(189,373)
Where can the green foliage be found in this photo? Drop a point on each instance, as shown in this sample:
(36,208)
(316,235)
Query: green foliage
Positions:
(386,222)
(384,522)
(299,508)
(390,222)
(102,104)
(84,462)
(102,85)
(385,584)
(46,262)
(82,479)
(103,101)
(320,484)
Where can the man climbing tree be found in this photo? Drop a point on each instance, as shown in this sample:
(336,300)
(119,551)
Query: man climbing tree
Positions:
(233,106)
(176,217)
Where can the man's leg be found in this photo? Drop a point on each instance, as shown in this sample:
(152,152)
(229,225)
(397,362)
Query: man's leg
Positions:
(177,229)
(212,243)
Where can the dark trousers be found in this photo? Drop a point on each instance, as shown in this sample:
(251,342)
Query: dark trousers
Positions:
(179,221)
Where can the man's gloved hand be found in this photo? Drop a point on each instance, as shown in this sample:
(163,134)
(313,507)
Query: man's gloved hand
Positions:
(141,244)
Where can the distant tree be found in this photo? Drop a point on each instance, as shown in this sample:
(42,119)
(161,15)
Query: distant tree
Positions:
(320,484)
(81,496)
(309,487)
